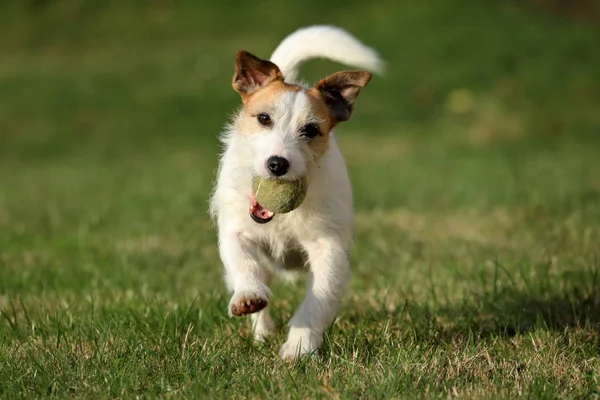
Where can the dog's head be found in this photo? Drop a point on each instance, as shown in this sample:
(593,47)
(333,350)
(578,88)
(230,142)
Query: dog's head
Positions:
(289,125)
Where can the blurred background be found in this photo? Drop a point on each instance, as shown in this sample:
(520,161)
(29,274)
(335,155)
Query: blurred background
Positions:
(110,112)
(115,78)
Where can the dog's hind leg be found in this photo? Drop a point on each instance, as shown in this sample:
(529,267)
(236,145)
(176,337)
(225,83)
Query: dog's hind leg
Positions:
(263,325)
(288,268)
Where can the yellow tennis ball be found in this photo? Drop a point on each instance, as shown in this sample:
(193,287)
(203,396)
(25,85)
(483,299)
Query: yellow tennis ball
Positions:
(278,195)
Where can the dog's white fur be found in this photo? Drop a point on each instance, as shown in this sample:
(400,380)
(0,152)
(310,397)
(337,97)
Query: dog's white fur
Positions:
(321,228)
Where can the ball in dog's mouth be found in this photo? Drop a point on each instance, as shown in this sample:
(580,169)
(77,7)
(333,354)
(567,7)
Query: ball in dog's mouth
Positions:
(271,196)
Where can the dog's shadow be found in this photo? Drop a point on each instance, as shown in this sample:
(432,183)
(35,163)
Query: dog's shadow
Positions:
(501,313)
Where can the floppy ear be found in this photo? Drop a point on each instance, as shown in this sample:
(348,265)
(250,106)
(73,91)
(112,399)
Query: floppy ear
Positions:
(340,90)
(252,73)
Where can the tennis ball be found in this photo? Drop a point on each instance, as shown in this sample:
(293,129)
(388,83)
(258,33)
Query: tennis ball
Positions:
(279,196)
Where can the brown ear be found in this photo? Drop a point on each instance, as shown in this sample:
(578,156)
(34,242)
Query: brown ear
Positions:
(340,90)
(251,73)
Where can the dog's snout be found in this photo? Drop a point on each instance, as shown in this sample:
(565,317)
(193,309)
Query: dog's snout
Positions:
(278,165)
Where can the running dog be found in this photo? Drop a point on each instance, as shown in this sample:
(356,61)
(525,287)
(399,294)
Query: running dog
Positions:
(284,130)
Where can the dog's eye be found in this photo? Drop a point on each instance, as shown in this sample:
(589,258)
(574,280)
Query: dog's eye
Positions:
(310,131)
(264,119)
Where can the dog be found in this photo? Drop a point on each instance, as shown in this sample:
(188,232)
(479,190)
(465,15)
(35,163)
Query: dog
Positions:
(284,130)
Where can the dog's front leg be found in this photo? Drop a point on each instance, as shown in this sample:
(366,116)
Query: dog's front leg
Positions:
(329,272)
(244,275)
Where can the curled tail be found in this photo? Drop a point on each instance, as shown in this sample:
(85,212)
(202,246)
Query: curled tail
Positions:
(323,41)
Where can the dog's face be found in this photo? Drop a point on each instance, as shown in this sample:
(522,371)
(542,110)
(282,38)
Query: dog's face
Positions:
(287,125)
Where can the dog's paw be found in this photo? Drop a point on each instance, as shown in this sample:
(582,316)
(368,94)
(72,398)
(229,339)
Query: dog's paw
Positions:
(247,302)
(301,343)
(263,328)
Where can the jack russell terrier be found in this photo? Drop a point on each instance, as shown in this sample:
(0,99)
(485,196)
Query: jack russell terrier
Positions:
(284,130)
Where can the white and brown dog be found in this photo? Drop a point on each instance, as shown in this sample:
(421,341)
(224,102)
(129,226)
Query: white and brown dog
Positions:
(283,131)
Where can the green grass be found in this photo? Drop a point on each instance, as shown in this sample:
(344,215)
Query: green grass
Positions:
(476,170)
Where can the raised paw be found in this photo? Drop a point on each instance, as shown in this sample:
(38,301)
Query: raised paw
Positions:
(246,303)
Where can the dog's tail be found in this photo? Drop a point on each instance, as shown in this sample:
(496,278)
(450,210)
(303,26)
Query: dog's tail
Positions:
(323,41)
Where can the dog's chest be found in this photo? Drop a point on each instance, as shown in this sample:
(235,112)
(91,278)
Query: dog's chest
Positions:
(291,257)
(280,235)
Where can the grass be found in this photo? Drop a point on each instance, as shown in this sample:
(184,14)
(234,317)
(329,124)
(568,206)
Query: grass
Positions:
(477,185)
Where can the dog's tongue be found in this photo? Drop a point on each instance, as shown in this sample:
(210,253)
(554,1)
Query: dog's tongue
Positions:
(257,210)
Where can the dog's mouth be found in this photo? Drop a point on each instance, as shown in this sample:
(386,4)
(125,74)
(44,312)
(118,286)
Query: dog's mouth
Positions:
(258,213)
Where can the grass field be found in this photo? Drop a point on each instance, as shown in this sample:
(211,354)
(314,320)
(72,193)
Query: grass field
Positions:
(476,169)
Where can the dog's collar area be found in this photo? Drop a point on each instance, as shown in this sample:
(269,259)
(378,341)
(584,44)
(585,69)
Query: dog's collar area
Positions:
(258,213)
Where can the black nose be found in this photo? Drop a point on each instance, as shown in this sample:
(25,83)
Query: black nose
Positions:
(278,165)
